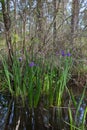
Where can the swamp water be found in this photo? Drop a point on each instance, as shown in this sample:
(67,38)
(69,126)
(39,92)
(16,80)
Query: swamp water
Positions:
(15,117)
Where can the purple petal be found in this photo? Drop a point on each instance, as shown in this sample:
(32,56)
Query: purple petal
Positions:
(32,64)
(20,59)
(68,54)
(62,53)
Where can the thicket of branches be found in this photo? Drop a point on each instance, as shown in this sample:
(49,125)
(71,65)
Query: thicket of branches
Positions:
(44,26)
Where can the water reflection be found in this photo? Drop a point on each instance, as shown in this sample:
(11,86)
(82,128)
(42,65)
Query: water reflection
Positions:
(3,110)
(81,111)
(15,117)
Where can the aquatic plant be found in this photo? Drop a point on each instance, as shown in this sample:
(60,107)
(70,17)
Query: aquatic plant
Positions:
(64,76)
(71,119)
(80,102)
(34,86)
(83,127)
(77,104)
(68,54)
(8,77)
(23,80)
(77,121)
(33,78)
(49,85)
(63,53)
(76,125)
(31,64)
(20,59)
(56,78)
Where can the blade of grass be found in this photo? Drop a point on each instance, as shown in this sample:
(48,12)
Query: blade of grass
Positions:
(80,102)
(72,126)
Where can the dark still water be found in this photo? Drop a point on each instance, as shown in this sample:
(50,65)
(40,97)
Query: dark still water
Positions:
(13,116)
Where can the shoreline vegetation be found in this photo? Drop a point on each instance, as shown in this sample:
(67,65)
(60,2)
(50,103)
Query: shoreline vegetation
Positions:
(31,80)
(43,64)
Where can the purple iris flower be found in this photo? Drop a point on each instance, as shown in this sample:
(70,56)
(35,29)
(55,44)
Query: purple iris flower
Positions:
(62,53)
(32,64)
(20,59)
(68,54)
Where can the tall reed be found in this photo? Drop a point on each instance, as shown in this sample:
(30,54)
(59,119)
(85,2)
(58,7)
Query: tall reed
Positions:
(63,78)
(23,79)
(30,78)
(8,76)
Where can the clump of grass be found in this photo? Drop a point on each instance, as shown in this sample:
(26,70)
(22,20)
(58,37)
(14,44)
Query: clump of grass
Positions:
(49,84)
(8,76)
(84,120)
(77,121)
(73,124)
(56,78)
(32,78)
(64,76)
(23,79)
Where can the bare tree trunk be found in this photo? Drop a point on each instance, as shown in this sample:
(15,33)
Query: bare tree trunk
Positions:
(15,23)
(24,33)
(54,25)
(7,24)
(15,15)
(24,28)
(74,19)
(40,22)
